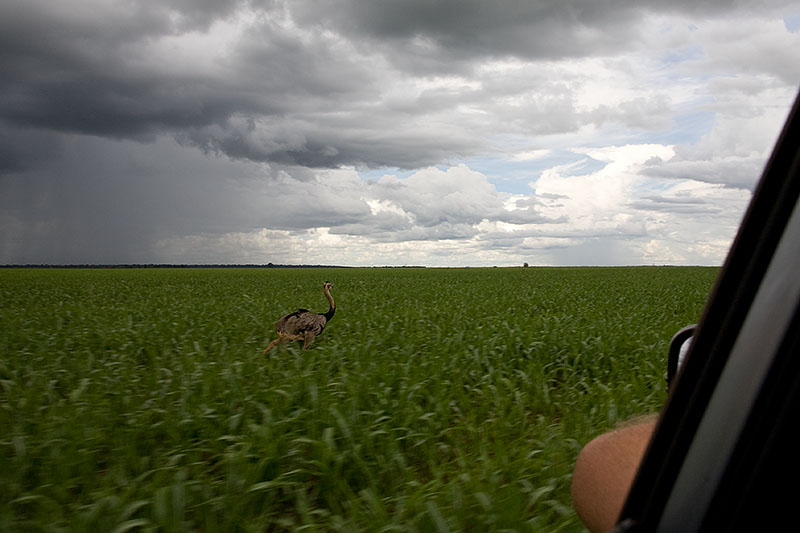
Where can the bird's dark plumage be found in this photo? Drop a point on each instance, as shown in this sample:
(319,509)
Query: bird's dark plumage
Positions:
(303,324)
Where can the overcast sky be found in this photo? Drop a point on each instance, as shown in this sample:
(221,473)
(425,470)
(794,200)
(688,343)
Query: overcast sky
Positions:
(362,132)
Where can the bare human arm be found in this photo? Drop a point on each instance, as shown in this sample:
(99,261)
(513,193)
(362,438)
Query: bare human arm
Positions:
(604,472)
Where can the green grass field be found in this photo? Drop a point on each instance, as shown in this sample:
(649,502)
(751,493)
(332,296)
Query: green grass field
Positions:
(435,400)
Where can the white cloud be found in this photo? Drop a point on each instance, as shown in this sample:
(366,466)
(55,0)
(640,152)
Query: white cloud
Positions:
(531,155)
(601,194)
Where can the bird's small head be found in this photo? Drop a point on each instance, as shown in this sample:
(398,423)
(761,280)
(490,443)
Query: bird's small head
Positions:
(327,285)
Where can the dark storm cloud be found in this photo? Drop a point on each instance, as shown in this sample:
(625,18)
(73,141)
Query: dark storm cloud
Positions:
(277,95)
(98,201)
(101,201)
(464,29)
(305,83)
(461,30)
(20,150)
(314,144)
(73,70)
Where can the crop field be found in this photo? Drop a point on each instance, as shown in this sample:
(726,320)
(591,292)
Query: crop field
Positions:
(435,400)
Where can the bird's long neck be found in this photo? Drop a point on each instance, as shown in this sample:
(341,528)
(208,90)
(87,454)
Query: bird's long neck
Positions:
(332,309)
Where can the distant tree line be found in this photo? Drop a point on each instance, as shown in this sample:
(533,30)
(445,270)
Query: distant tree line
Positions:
(161,265)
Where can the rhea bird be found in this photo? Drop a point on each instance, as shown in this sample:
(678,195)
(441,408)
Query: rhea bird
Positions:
(303,325)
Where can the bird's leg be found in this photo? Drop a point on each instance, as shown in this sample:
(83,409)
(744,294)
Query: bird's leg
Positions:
(308,339)
(271,346)
(282,338)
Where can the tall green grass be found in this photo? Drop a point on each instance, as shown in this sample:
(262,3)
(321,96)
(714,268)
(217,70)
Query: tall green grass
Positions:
(436,400)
